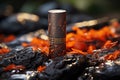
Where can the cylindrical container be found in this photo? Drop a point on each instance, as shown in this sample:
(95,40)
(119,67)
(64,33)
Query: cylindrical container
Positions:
(57,32)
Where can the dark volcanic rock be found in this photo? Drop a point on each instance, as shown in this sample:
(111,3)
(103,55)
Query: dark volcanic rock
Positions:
(26,57)
(64,68)
(29,75)
(109,71)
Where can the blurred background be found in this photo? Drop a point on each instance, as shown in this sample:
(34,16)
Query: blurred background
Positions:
(28,15)
(87,6)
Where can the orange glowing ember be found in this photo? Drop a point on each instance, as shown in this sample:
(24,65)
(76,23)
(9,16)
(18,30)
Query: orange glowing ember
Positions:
(13,66)
(91,48)
(79,39)
(37,43)
(4,50)
(41,68)
(113,55)
(76,51)
(82,41)
(8,38)
(109,44)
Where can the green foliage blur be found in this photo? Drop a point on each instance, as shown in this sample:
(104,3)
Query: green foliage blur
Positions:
(94,7)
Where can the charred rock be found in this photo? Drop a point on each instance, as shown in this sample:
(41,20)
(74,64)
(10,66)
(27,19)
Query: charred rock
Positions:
(23,57)
(64,68)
